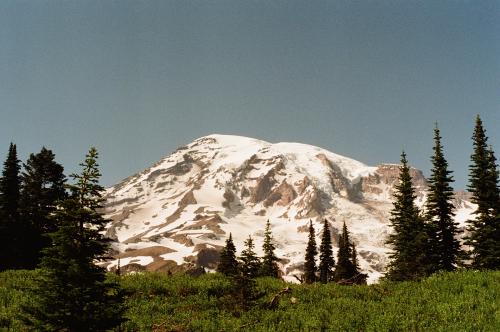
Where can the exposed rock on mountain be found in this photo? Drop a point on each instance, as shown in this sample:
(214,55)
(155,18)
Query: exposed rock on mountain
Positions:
(182,208)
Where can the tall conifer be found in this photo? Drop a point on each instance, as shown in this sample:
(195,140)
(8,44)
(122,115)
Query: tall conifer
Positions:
(493,229)
(409,240)
(326,261)
(228,264)
(249,262)
(310,267)
(443,245)
(354,259)
(484,229)
(344,268)
(11,228)
(269,266)
(72,292)
(42,188)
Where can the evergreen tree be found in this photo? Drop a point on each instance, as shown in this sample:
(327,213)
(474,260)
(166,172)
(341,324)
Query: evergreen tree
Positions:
(241,295)
(354,259)
(11,229)
(310,267)
(228,264)
(491,231)
(326,261)
(249,262)
(443,246)
(359,278)
(409,257)
(269,266)
(73,293)
(344,269)
(484,230)
(42,188)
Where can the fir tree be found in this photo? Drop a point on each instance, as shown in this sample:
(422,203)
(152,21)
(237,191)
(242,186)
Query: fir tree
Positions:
(42,188)
(326,261)
(492,229)
(409,257)
(354,259)
(269,266)
(11,228)
(443,245)
(249,262)
(310,267)
(344,269)
(73,293)
(228,264)
(241,294)
(359,278)
(484,229)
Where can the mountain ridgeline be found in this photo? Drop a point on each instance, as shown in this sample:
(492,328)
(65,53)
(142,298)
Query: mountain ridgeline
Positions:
(178,213)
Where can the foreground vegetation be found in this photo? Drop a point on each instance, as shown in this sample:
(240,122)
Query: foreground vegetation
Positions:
(457,301)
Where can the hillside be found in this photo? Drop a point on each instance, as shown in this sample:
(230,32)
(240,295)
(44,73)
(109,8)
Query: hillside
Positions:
(179,212)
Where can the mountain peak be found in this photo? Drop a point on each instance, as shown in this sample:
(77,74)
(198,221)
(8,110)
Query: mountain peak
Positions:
(179,211)
(231,139)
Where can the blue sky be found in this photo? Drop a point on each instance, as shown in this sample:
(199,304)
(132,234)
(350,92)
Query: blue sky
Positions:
(137,79)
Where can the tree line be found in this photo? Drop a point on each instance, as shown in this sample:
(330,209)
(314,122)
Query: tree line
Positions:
(425,241)
(249,265)
(48,224)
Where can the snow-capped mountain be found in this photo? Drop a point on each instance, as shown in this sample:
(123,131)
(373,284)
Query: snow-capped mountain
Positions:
(178,213)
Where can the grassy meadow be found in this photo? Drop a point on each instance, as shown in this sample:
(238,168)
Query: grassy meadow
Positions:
(461,301)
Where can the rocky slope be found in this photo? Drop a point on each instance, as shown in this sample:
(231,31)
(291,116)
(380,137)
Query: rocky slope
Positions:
(178,213)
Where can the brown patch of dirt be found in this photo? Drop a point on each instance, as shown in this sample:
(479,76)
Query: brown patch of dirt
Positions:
(201,209)
(303,229)
(124,213)
(201,246)
(185,201)
(151,251)
(161,185)
(209,222)
(134,239)
(161,265)
(182,239)
(260,213)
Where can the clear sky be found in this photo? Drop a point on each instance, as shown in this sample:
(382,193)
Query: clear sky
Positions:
(137,79)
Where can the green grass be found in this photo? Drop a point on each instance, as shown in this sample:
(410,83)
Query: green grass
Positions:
(461,301)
